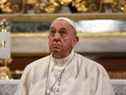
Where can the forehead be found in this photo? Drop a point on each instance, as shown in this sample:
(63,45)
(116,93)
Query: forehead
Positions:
(61,24)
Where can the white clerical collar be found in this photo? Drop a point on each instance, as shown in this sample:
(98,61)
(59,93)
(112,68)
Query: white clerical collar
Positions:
(63,61)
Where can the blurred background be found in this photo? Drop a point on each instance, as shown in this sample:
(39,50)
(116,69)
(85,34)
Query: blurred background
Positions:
(24,26)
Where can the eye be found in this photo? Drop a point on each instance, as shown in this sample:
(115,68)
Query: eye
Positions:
(63,32)
(52,31)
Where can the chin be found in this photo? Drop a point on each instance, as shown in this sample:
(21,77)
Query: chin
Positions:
(56,51)
(57,54)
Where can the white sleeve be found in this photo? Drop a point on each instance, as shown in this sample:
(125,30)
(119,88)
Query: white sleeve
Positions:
(104,87)
(23,88)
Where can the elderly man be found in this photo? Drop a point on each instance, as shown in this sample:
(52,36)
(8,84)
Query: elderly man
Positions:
(64,72)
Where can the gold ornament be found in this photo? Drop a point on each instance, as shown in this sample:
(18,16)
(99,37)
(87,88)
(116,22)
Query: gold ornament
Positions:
(32,2)
(80,5)
(65,2)
(4,73)
(108,1)
(52,6)
(6,6)
(124,8)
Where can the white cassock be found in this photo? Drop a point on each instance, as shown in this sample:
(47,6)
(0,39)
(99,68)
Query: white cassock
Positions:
(78,76)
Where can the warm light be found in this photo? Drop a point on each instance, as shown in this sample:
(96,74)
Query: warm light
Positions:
(2,44)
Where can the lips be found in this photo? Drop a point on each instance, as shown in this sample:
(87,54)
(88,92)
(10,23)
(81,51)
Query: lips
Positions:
(55,47)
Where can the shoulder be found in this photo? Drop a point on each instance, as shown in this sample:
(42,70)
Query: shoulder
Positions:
(90,65)
(90,68)
(34,69)
(42,62)
(85,61)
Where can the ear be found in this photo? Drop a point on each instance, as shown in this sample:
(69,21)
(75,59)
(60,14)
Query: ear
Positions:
(76,39)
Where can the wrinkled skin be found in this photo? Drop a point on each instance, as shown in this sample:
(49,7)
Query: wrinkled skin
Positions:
(62,38)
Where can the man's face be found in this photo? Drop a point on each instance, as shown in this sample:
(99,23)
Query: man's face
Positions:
(61,39)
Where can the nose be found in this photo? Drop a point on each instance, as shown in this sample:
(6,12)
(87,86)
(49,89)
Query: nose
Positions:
(56,36)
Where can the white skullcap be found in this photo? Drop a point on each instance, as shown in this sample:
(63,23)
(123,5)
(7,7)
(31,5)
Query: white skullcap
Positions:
(71,22)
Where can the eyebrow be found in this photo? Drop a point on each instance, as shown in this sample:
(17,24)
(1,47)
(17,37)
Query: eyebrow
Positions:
(52,28)
(63,28)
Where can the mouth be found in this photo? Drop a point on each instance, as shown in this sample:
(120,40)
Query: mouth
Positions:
(56,48)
